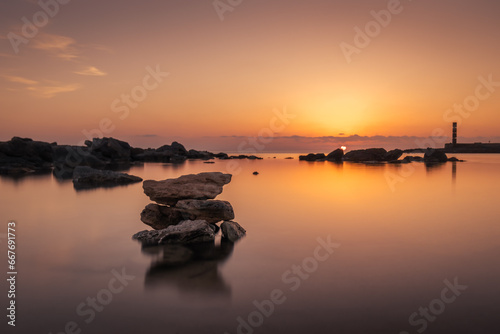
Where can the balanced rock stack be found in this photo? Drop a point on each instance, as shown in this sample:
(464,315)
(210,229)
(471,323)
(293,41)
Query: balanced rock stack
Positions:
(186,211)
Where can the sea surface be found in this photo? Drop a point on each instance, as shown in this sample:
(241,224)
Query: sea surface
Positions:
(330,248)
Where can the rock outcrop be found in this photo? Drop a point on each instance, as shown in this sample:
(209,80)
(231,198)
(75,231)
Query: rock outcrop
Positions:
(185,208)
(23,155)
(435,156)
(192,186)
(371,154)
(87,177)
(212,211)
(232,231)
(313,157)
(336,155)
(186,232)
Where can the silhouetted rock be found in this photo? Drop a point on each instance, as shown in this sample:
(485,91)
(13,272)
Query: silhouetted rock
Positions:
(160,216)
(454,159)
(203,155)
(336,155)
(393,155)
(313,157)
(110,149)
(192,186)
(371,154)
(255,173)
(232,231)
(186,232)
(175,149)
(211,211)
(411,158)
(221,155)
(435,156)
(23,155)
(86,177)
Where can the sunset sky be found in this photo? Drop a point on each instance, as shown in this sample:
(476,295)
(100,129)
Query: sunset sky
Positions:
(232,65)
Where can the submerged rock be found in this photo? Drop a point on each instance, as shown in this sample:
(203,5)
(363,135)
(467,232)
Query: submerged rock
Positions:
(192,186)
(232,231)
(186,232)
(87,177)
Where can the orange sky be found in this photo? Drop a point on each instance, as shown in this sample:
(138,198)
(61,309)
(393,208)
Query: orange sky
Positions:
(67,81)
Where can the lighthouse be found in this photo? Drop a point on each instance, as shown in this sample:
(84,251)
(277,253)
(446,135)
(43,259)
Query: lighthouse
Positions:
(454,135)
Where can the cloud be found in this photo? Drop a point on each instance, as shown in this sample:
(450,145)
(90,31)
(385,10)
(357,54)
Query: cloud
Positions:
(48,92)
(60,46)
(20,80)
(92,71)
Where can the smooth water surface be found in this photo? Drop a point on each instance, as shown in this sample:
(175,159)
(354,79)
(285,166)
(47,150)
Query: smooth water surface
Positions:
(398,236)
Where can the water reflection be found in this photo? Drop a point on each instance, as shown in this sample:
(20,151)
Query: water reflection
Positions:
(434,166)
(189,268)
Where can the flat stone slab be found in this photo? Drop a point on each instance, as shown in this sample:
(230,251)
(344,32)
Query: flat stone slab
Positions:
(191,186)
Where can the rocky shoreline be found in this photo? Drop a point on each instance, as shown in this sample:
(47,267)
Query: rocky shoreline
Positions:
(97,163)
(379,155)
(22,156)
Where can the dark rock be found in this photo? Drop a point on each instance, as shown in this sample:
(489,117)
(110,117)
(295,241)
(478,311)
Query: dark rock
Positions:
(289,158)
(221,156)
(211,211)
(313,157)
(336,155)
(255,173)
(175,149)
(160,217)
(454,159)
(110,149)
(371,154)
(435,156)
(203,155)
(186,232)
(393,155)
(232,231)
(411,158)
(192,186)
(86,177)
(208,162)
(23,155)
(243,156)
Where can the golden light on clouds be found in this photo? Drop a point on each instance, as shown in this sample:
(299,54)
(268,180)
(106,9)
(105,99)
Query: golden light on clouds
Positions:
(227,76)
(92,71)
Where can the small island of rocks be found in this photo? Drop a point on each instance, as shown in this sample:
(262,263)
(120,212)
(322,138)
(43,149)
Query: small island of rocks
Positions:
(186,211)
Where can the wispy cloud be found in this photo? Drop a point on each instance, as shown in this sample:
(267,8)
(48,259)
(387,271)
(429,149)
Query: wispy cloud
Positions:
(59,46)
(48,92)
(92,71)
(20,80)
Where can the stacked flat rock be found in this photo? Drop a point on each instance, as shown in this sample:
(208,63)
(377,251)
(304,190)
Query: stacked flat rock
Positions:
(186,210)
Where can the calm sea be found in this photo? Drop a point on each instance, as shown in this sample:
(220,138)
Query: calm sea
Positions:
(330,248)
